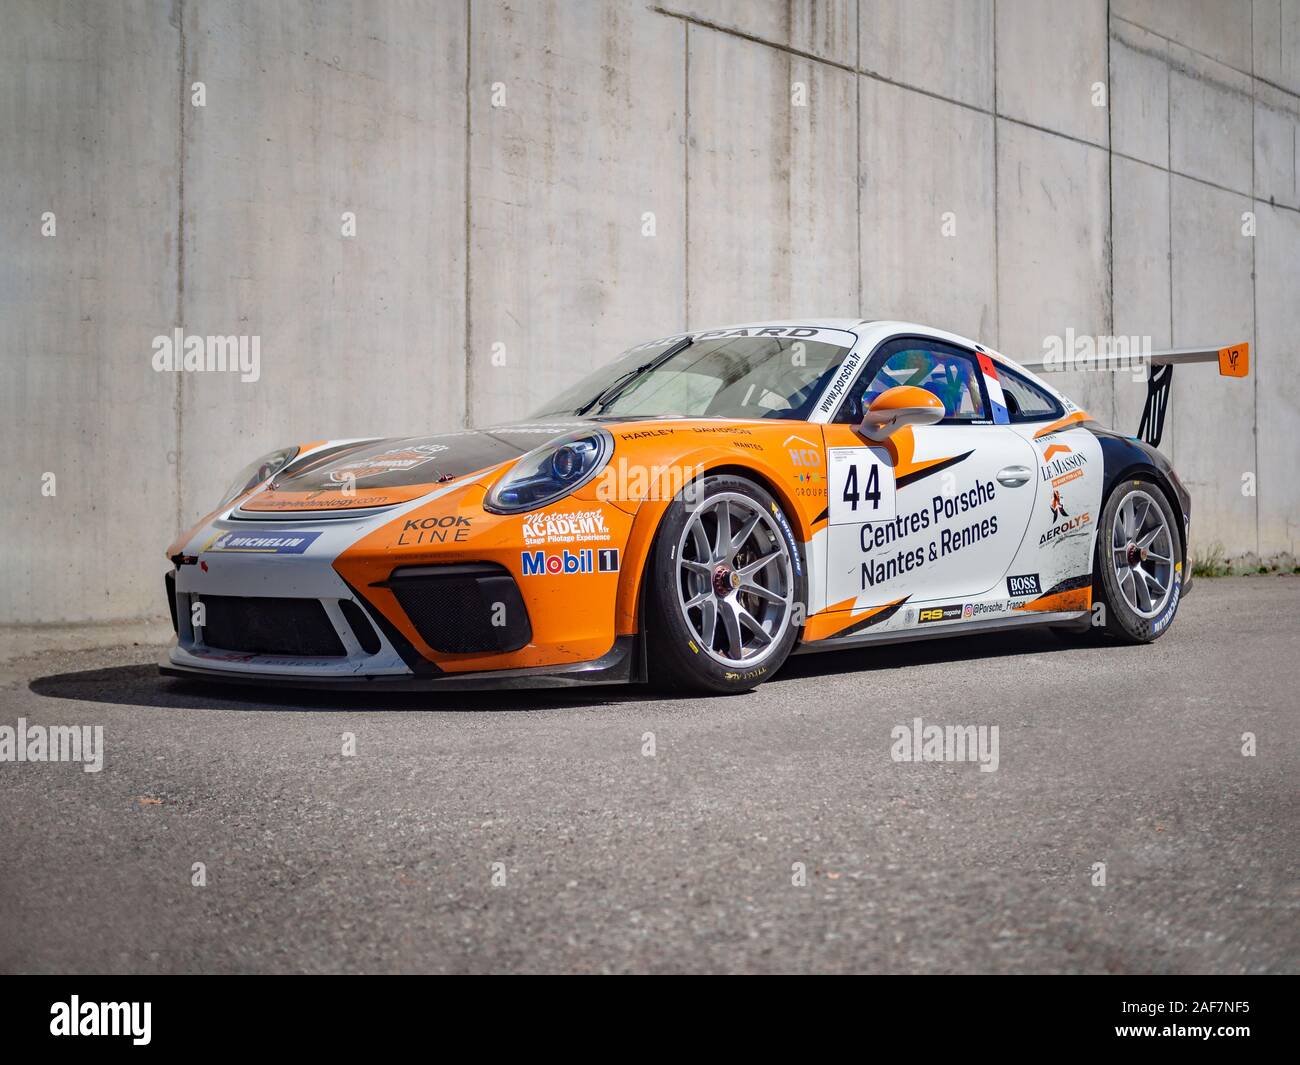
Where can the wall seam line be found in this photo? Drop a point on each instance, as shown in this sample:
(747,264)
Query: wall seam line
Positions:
(1254,279)
(1215,59)
(179,399)
(686,178)
(857,107)
(997,225)
(467,418)
(1110,204)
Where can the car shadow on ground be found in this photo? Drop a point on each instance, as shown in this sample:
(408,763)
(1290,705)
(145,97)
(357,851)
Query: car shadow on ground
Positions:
(142,685)
(1004,644)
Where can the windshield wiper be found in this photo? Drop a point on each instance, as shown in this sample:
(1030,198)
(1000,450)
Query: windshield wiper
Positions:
(620,385)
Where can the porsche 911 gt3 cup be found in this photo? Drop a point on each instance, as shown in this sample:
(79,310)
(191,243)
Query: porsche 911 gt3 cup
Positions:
(692,514)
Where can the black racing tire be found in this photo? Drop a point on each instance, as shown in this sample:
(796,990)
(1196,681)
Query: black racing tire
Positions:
(1149,618)
(677,657)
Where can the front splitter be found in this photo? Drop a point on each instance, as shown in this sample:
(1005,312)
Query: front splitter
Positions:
(617,666)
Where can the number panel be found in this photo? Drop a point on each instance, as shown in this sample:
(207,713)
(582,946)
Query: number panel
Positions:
(861,485)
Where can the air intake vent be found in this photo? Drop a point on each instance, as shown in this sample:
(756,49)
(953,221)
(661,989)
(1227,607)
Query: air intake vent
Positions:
(360,625)
(170,580)
(266,625)
(463,609)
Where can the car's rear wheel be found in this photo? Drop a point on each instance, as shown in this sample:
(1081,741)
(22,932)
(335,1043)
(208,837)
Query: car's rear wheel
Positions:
(725,588)
(1138,562)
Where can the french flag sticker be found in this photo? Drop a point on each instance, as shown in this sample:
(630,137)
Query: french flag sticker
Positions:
(991,382)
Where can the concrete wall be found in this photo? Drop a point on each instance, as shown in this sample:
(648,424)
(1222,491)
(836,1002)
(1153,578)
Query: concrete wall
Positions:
(537,184)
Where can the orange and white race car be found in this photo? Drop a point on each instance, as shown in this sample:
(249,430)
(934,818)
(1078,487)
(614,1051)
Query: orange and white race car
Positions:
(690,515)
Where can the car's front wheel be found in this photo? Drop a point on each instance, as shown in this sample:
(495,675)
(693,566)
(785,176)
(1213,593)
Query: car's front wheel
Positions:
(1139,566)
(725,591)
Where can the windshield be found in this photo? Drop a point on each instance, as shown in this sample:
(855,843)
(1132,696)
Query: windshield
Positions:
(726,376)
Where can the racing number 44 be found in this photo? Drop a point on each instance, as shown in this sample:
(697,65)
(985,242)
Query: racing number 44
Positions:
(861,485)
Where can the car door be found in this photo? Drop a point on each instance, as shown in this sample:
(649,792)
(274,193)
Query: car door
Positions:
(936,512)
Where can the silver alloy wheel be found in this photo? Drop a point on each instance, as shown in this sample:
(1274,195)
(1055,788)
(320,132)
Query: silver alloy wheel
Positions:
(1142,552)
(735,580)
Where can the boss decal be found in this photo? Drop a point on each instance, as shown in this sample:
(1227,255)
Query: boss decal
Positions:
(1024,584)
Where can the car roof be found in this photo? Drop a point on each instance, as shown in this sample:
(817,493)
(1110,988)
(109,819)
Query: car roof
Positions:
(877,327)
(849,324)
(871,331)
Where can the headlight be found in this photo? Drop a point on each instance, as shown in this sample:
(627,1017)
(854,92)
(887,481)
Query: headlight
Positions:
(256,472)
(551,471)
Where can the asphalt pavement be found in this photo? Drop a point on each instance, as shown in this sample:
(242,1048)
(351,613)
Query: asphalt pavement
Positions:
(613,830)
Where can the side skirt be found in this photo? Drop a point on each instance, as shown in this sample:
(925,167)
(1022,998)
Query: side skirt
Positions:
(954,628)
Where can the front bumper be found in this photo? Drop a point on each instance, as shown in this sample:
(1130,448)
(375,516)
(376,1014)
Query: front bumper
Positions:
(411,597)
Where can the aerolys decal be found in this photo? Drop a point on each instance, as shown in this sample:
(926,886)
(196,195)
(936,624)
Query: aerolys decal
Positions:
(1065,526)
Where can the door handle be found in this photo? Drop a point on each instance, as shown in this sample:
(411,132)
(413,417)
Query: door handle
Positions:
(1014,476)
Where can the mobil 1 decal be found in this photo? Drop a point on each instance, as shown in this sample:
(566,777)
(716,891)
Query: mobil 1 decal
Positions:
(935,524)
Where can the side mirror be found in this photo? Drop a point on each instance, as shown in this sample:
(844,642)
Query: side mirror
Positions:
(897,407)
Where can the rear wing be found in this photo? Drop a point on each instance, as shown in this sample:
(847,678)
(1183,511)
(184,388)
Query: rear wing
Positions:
(1234,361)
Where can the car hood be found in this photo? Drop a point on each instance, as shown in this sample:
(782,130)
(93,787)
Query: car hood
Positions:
(379,473)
